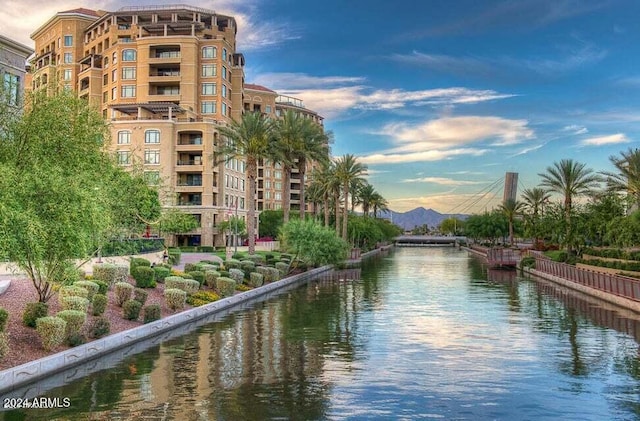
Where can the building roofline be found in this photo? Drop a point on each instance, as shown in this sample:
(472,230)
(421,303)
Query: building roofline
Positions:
(16,45)
(86,14)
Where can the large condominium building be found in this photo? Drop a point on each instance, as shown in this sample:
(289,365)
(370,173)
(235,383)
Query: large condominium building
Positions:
(13,59)
(166,78)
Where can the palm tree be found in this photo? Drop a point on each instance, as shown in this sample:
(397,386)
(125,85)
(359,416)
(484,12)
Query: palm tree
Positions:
(347,170)
(248,139)
(570,179)
(313,146)
(628,177)
(288,131)
(364,198)
(511,209)
(326,184)
(534,201)
(378,203)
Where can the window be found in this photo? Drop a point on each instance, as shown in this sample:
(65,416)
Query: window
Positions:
(168,90)
(152,177)
(67,74)
(114,93)
(209,89)
(224,72)
(68,58)
(267,195)
(105,96)
(267,184)
(224,109)
(124,158)
(68,40)
(114,75)
(224,54)
(209,70)
(267,109)
(152,136)
(242,187)
(12,87)
(128,55)
(128,91)
(105,80)
(152,157)
(209,52)
(278,185)
(124,137)
(226,180)
(277,174)
(224,91)
(114,58)
(208,107)
(128,73)
(277,196)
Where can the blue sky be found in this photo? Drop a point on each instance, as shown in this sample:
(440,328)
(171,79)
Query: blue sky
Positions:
(440,98)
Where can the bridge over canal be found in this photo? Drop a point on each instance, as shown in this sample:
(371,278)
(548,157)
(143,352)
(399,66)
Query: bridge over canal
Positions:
(428,240)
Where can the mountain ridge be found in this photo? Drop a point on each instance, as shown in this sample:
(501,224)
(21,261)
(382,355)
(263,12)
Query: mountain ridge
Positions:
(417,217)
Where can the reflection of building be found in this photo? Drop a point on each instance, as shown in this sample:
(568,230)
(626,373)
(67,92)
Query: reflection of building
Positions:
(13,58)
(510,186)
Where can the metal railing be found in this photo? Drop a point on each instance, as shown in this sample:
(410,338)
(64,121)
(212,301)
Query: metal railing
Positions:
(622,286)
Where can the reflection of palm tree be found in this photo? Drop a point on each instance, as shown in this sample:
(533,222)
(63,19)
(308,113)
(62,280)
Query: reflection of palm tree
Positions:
(570,179)
(248,138)
(628,177)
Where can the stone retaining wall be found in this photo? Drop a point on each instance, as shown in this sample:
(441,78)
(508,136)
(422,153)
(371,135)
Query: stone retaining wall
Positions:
(52,371)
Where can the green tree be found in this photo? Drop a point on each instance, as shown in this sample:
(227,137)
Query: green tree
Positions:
(56,198)
(534,201)
(490,226)
(174,221)
(378,203)
(627,179)
(234,226)
(451,225)
(348,170)
(312,243)
(270,223)
(511,210)
(569,179)
(312,147)
(249,139)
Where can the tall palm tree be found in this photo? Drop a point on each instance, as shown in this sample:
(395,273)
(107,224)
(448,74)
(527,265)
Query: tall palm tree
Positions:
(627,179)
(378,203)
(313,146)
(511,209)
(248,138)
(364,197)
(534,201)
(347,170)
(570,179)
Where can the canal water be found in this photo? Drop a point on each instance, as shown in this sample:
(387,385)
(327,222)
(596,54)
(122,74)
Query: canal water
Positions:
(422,333)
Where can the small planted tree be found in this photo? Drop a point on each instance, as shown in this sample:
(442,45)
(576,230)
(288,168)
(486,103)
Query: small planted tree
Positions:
(312,243)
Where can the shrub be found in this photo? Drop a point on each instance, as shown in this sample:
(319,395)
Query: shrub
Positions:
(121,274)
(99,304)
(161,272)
(174,256)
(190,267)
(270,274)
(237,256)
(225,286)
(71,291)
(137,262)
(232,264)
(210,277)
(91,287)
(4,318)
(191,286)
(207,266)
(76,339)
(110,274)
(103,287)
(224,273)
(313,243)
(151,313)
(269,256)
(131,309)
(34,311)
(52,331)
(283,268)
(243,288)
(144,277)
(206,249)
(140,295)
(202,297)
(256,279)
(174,282)
(123,292)
(75,303)
(75,320)
(100,327)
(4,344)
(557,255)
(528,262)
(197,275)
(286,256)
(237,275)
(256,258)
(175,298)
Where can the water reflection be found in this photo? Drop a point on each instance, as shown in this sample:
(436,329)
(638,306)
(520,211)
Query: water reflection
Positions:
(426,333)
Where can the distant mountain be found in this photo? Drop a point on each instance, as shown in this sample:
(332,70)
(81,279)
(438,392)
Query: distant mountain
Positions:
(418,217)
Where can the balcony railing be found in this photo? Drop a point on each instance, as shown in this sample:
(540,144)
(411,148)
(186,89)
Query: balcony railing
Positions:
(190,162)
(190,183)
(189,202)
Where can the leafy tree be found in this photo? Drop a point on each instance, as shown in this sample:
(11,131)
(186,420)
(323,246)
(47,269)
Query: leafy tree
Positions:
(270,223)
(627,179)
(511,209)
(570,179)
(347,171)
(249,139)
(56,198)
(487,226)
(234,225)
(312,243)
(174,221)
(451,225)
(534,201)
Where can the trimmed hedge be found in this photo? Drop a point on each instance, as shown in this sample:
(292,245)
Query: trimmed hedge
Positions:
(75,320)
(4,344)
(110,273)
(175,298)
(99,304)
(100,327)
(33,311)
(232,264)
(283,268)
(237,275)
(91,287)
(197,275)
(160,273)
(4,318)
(103,287)
(131,309)
(201,298)
(52,331)
(151,313)
(75,303)
(256,258)
(210,277)
(123,292)
(622,266)
(174,256)
(226,287)
(71,291)
(256,279)
(140,295)
(136,262)
(144,276)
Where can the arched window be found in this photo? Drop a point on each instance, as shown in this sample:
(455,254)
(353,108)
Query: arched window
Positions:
(209,52)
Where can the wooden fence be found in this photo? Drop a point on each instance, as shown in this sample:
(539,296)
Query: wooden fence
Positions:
(622,286)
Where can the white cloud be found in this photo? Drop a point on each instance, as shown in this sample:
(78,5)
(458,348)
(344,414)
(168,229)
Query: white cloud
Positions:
(446,202)
(575,129)
(605,140)
(424,156)
(442,181)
